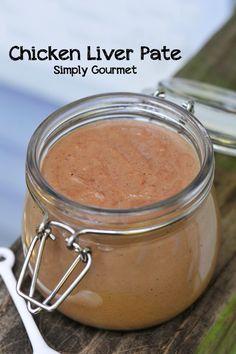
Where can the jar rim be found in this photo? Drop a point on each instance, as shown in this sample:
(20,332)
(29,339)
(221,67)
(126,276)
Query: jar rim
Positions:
(201,184)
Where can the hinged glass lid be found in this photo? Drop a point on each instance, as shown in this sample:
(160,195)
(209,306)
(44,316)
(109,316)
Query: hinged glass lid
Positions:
(215,107)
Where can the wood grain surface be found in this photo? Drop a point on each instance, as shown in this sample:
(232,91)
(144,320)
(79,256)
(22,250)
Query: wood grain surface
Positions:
(209,325)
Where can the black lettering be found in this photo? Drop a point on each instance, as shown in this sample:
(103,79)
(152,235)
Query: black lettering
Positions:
(56,69)
(63,54)
(155,54)
(76,51)
(108,55)
(165,50)
(32,55)
(27,51)
(102,70)
(113,70)
(144,51)
(51,53)
(174,54)
(98,53)
(94,69)
(84,71)
(39,54)
(11,53)
(134,69)
(128,70)
(89,56)
(128,53)
(121,54)
(117,71)
(74,70)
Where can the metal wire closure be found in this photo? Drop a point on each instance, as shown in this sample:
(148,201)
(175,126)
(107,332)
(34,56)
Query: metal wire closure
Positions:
(188,105)
(159,93)
(43,233)
(84,254)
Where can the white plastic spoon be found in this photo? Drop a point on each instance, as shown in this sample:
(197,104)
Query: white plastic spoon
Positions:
(7,260)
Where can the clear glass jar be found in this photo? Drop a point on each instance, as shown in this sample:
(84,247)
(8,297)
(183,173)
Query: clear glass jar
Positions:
(147,264)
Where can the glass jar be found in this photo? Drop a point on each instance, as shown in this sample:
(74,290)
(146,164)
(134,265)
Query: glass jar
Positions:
(132,268)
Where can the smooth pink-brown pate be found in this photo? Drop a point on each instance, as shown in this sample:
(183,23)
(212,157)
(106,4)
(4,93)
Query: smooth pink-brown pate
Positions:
(120,164)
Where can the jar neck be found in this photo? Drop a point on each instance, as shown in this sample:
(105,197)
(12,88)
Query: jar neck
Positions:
(120,106)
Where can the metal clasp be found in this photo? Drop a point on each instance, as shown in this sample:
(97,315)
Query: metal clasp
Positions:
(161,93)
(189,106)
(44,232)
(84,254)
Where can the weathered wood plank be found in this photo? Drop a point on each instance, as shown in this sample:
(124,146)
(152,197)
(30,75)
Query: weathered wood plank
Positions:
(215,62)
(208,326)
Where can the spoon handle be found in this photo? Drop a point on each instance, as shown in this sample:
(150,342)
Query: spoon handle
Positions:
(38,343)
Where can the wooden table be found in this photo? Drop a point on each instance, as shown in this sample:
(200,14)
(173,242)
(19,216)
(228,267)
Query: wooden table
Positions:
(208,326)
